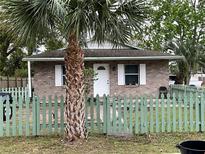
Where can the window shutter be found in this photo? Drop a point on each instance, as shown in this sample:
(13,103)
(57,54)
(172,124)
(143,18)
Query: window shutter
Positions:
(121,74)
(58,75)
(142,74)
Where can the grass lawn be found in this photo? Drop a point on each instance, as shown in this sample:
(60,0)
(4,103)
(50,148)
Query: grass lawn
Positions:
(161,143)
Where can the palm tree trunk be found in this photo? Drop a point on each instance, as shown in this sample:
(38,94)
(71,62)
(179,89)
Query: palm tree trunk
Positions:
(75,105)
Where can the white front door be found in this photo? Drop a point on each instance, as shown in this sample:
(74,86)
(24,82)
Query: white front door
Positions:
(102,82)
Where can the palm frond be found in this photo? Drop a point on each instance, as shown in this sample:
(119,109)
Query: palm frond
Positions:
(101,20)
(105,20)
(33,19)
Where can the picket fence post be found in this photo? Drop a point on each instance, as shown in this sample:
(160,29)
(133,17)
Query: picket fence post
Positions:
(202,111)
(104,114)
(35,128)
(200,129)
(1,117)
(108,114)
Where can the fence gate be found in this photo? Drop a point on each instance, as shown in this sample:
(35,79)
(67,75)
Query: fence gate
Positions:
(119,116)
(111,116)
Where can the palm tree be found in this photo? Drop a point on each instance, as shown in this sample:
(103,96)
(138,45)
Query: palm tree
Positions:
(101,20)
(193,59)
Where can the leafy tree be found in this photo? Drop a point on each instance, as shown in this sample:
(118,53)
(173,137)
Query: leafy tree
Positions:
(101,20)
(178,27)
(21,72)
(14,62)
(6,45)
(10,48)
(54,41)
(194,58)
(11,51)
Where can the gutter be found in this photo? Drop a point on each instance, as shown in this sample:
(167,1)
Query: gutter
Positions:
(111,58)
(43,59)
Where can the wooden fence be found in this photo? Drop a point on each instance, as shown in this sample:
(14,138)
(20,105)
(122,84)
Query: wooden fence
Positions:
(107,115)
(184,89)
(8,82)
(31,118)
(128,115)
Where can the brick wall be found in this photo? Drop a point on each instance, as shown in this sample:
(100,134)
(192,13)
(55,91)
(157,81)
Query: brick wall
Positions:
(44,79)
(157,75)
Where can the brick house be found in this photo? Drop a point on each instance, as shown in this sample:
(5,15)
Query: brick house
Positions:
(122,71)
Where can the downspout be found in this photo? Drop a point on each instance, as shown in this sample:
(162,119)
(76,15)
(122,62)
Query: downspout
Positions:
(29,79)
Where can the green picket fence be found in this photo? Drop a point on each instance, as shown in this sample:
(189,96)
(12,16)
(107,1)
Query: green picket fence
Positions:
(31,117)
(139,115)
(106,115)
(184,89)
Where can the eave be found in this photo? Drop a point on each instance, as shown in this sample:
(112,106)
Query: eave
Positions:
(111,58)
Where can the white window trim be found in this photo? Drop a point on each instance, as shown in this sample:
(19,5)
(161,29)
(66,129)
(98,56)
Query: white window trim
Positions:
(141,74)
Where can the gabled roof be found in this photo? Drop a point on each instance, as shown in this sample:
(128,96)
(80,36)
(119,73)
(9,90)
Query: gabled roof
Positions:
(106,54)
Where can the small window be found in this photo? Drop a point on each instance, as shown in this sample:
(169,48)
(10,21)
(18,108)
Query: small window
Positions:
(131,74)
(63,74)
(101,68)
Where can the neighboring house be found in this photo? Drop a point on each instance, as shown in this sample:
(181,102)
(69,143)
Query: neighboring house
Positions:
(197,79)
(123,71)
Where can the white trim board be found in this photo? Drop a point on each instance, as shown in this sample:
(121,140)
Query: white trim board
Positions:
(111,58)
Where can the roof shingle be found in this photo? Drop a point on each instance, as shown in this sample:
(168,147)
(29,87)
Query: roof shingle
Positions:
(103,53)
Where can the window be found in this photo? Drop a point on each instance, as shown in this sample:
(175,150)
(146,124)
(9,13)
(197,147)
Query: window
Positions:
(131,74)
(63,74)
(101,68)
